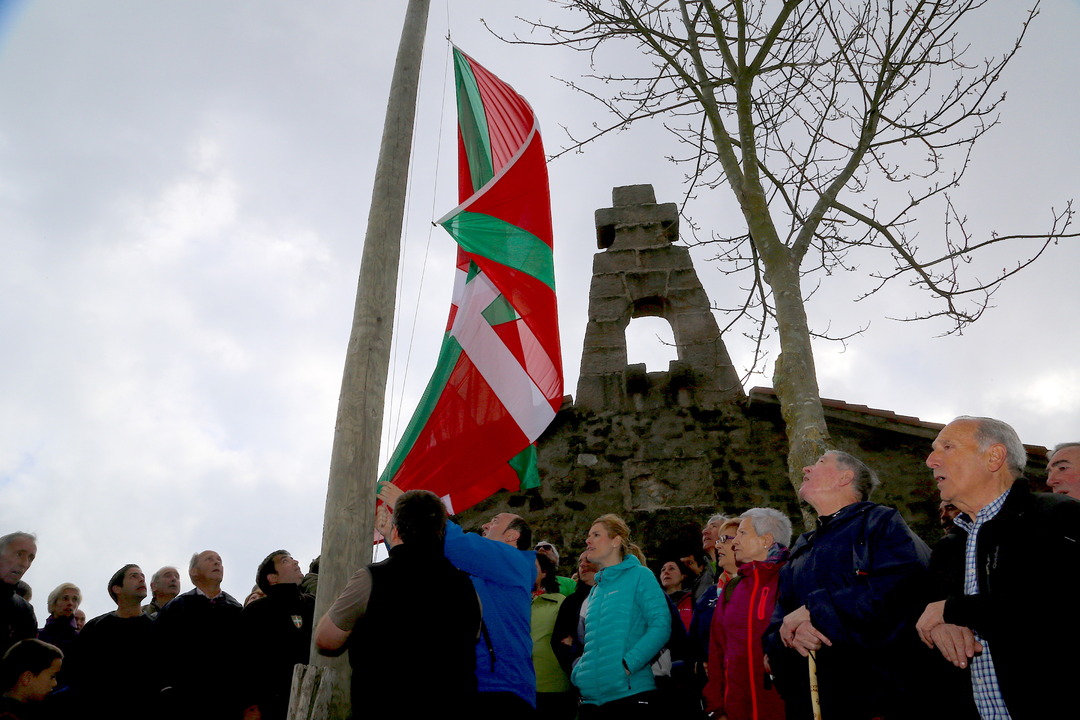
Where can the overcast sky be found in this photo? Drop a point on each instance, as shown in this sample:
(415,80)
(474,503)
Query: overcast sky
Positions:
(183,193)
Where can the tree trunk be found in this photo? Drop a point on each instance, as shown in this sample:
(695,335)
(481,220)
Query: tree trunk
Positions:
(795,377)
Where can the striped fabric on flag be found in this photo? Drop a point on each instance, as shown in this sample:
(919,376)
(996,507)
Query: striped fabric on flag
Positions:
(498,380)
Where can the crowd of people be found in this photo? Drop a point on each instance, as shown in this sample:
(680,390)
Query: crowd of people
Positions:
(179,654)
(858,618)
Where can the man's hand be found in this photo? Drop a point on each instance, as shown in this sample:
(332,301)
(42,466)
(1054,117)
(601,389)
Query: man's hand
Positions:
(799,633)
(956,643)
(384,520)
(389,493)
(792,620)
(932,616)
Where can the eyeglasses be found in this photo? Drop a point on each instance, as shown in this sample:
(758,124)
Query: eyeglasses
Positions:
(725,538)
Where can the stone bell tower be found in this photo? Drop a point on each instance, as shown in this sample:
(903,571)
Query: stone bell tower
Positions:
(642,274)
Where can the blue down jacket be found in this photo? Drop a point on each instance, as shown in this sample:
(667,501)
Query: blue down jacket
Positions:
(626,625)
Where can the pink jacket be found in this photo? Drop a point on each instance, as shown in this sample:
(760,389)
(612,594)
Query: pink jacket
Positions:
(736,684)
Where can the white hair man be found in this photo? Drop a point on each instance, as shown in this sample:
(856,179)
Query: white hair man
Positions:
(199,639)
(164,585)
(861,560)
(1022,550)
(17,619)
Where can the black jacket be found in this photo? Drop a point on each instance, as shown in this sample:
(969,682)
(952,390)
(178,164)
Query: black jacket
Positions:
(1028,563)
(17,619)
(201,656)
(421,623)
(277,636)
(112,657)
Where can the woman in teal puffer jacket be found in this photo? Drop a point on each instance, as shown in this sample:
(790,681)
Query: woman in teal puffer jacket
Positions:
(627,623)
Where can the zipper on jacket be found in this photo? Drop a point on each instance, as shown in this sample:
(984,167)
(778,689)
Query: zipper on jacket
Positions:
(750,643)
(762,602)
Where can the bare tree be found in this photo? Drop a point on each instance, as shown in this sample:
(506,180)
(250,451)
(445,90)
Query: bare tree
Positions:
(807,110)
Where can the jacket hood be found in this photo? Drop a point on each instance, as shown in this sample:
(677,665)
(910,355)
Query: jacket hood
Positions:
(628,562)
(778,557)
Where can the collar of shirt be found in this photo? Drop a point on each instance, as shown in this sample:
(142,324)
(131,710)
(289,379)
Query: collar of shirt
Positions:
(198,591)
(983,516)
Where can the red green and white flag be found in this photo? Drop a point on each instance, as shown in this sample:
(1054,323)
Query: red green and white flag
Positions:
(498,381)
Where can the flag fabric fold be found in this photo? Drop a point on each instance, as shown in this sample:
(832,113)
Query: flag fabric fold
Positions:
(498,381)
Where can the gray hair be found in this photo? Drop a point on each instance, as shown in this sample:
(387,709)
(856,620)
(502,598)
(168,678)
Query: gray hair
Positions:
(768,521)
(989,431)
(1062,446)
(718,518)
(864,480)
(12,537)
(158,573)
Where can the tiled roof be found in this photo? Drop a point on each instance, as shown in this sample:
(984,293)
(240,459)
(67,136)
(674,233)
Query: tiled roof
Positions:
(875,416)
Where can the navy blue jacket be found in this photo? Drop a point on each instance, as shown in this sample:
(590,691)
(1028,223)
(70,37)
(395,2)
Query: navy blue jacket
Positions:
(863,577)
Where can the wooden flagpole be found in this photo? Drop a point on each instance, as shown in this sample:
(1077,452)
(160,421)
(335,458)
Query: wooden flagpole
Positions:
(354,462)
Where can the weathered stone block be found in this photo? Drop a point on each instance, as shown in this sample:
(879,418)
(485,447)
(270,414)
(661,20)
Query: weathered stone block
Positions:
(600,392)
(696,327)
(602,333)
(615,261)
(612,309)
(633,195)
(646,284)
(685,279)
(689,300)
(672,257)
(609,284)
(662,214)
(643,232)
(586,460)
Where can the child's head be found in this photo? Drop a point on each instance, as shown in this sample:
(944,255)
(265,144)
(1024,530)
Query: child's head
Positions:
(28,671)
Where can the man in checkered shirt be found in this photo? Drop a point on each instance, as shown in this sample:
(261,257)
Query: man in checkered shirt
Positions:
(1020,562)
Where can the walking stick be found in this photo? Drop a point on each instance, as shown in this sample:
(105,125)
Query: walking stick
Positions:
(815,697)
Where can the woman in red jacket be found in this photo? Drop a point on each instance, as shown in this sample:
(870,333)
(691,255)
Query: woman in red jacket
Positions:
(737,688)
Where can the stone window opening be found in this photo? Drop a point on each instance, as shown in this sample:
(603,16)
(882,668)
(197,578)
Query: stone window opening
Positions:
(650,341)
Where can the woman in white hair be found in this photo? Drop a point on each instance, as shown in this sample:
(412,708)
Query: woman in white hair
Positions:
(736,687)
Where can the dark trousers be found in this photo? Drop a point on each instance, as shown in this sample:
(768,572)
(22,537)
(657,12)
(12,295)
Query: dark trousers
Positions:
(502,704)
(643,706)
